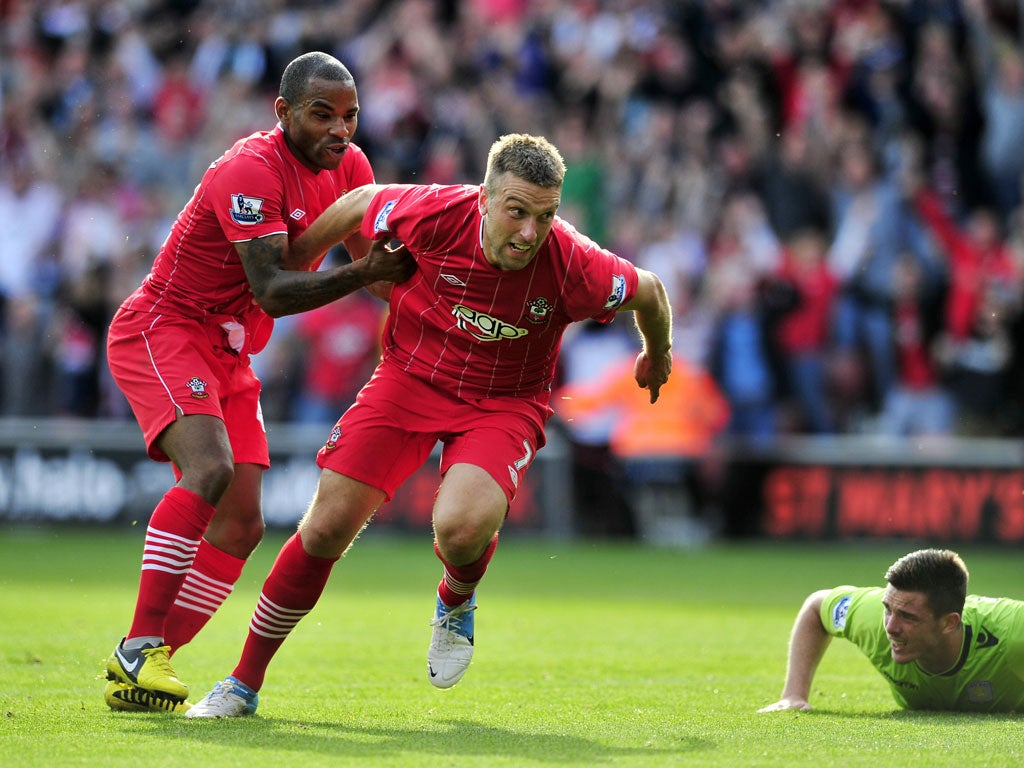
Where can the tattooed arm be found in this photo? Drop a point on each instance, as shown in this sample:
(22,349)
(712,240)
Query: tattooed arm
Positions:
(281,291)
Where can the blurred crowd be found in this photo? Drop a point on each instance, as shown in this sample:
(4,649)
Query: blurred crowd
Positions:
(830,189)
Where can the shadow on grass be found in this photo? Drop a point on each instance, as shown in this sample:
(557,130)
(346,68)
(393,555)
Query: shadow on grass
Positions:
(446,738)
(917,715)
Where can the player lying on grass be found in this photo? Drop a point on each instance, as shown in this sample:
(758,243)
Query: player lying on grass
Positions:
(937,646)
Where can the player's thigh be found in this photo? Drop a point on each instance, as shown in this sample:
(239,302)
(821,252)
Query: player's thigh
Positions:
(503,445)
(237,525)
(469,509)
(197,444)
(341,507)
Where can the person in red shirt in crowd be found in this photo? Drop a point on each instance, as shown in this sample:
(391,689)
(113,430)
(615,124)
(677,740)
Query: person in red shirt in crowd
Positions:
(179,349)
(978,259)
(341,344)
(178,105)
(470,350)
(803,333)
(917,403)
(976,370)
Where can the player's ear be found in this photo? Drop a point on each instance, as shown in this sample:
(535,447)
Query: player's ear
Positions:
(481,201)
(282,109)
(951,622)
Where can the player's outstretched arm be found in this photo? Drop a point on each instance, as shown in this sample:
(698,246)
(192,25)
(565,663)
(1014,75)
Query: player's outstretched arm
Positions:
(337,223)
(286,292)
(653,316)
(807,645)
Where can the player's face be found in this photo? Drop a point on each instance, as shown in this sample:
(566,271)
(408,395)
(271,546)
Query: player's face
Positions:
(916,634)
(517,220)
(319,127)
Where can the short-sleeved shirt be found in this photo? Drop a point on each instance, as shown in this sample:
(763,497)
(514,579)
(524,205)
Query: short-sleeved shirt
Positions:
(988,677)
(469,328)
(255,189)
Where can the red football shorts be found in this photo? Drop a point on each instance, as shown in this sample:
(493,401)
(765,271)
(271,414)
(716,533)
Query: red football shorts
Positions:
(166,366)
(397,419)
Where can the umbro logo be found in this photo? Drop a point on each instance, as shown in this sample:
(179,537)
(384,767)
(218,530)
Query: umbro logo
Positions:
(453,280)
(297,214)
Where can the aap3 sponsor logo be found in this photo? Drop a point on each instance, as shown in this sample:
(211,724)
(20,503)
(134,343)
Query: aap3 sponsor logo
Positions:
(483,327)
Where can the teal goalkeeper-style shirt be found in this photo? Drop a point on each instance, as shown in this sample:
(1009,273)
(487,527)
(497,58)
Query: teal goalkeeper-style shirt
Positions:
(988,677)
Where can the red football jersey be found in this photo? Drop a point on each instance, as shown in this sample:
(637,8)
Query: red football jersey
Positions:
(256,188)
(469,328)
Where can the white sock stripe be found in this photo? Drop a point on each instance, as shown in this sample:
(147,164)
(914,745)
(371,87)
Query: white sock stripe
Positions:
(184,562)
(196,590)
(462,587)
(272,607)
(200,576)
(208,610)
(199,598)
(272,635)
(164,568)
(278,620)
(271,624)
(176,554)
(263,624)
(161,546)
(170,538)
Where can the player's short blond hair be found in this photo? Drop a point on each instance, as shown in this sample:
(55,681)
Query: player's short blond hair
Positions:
(531,158)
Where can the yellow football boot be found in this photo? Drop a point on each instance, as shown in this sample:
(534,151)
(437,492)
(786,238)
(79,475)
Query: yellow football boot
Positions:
(122,697)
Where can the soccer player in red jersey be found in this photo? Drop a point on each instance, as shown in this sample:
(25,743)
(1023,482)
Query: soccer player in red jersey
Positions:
(470,346)
(179,350)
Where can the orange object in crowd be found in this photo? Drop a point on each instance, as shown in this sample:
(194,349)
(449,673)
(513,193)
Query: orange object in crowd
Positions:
(691,410)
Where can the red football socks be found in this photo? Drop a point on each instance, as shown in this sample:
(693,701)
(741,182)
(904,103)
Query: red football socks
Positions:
(172,538)
(207,585)
(291,590)
(459,581)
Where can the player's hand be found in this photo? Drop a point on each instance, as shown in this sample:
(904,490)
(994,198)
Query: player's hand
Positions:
(396,262)
(651,371)
(389,264)
(783,705)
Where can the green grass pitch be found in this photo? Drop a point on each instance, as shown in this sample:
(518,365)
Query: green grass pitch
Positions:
(588,654)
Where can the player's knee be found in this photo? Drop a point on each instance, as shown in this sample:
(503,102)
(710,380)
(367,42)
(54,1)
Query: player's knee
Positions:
(249,535)
(238,536)
(324,535)
(463,544)
(212,478)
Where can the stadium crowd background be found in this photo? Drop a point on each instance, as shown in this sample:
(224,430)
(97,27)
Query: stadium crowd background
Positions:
(830,190)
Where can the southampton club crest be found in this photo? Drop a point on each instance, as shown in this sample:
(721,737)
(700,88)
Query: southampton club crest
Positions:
(246,210)
(537,310)
(198,387)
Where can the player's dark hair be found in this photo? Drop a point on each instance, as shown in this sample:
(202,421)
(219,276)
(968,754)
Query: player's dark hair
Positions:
(314,65)
(531,158)
(940,574)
